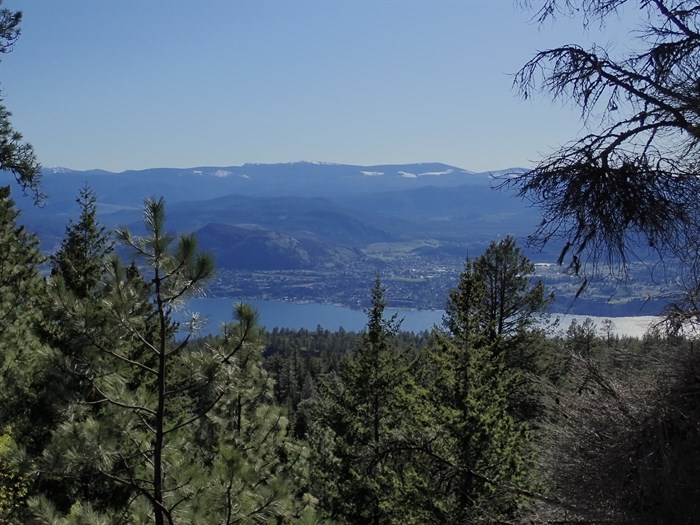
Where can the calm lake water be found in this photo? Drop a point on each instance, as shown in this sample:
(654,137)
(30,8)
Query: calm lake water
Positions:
(311,315)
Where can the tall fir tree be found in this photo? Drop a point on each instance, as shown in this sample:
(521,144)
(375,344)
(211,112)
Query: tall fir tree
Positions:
(473,446)
(361,417)
(512,302)
(514,306)
(81,258)
(77,288)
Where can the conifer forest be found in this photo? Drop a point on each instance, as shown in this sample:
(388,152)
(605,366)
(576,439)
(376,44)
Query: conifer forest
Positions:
(115,411)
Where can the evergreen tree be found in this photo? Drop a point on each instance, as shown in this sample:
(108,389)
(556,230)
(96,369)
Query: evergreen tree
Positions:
(15,477)
(16,156)
(21,301)
(188,433)
(361,417)
(37,385)
(254,470)
(20,297)
(474,447)
(20,283)
(77,289)
(514,307)
(581,338)
(80,259)
(21,384)
(512,303)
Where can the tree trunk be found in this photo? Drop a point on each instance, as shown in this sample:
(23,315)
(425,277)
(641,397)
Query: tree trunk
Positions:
(158,507)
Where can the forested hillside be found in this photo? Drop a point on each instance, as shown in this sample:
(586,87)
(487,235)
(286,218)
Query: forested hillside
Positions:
(114,409)
(113,413)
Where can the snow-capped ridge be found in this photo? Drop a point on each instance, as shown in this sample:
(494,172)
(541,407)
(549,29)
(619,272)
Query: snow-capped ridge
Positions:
(435,173)
(313,162)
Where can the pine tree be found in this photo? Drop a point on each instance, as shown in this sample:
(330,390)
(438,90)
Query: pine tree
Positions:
(473,446)
(15,478)
(20,283)
(81,258)
(514,307)
(16,156)
(187,432)
(629,183)
(21,293)
(512,302)
(361,417)
(77,290)
(254,470)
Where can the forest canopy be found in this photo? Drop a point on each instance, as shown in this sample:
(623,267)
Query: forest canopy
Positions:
(113,410)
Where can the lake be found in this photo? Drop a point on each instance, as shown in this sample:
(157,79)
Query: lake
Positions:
(307,315)
(332,317)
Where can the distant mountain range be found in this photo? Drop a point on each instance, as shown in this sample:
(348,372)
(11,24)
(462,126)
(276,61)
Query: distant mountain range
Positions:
(297,178)
(330,205)
(320,232)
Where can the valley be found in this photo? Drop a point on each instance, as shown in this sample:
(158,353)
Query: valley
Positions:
(315,232)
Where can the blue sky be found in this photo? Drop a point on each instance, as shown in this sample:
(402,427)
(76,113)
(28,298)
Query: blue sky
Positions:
(124,84)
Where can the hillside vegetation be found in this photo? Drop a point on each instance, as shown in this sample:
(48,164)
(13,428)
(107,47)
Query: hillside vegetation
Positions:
(112,412)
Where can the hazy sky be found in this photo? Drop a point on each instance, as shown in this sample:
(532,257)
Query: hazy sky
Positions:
(135,84)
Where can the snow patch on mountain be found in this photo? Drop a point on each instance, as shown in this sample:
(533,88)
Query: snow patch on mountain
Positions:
(314,162)
(408,175)
(435,173)
(372,173)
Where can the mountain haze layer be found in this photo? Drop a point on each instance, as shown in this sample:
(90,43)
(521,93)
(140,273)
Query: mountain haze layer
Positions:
(320,231)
